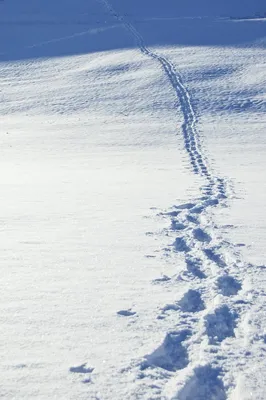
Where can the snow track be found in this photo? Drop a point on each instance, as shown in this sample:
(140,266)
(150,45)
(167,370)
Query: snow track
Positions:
(210,314)
(191,137)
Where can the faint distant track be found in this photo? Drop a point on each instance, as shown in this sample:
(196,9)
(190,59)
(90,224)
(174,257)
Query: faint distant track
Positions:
(191,137)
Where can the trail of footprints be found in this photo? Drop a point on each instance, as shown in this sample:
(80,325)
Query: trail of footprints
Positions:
(206,268)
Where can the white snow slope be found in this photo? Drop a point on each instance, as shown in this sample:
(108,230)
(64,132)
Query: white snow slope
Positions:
(132,172)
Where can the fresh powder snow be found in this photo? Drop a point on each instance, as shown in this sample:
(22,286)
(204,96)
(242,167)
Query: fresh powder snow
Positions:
(133,192)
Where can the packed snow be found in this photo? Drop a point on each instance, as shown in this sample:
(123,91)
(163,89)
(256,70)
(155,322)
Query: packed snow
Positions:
(133,230)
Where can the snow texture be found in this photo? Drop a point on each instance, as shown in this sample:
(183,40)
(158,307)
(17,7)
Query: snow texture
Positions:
(133,192)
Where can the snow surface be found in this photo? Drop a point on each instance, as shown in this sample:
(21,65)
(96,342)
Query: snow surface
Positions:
(133,199)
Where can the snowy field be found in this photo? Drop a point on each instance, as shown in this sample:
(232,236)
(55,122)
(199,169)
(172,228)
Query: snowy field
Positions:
(133,192)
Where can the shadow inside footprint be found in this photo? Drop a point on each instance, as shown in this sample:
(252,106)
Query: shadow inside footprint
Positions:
(214,257)
(186,206)
(193,267)
(177,226)
(220,324)
(171,355)
(126,313)
(191,302)
(163,278)
(81,369)
(201,236)
(204,384)
(180,245)
(228,285)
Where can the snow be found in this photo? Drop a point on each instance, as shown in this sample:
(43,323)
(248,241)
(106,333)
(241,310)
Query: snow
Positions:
(133,194)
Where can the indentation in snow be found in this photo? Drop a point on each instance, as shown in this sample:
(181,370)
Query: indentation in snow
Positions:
(186,206)
(177,226)
(204,384)
(126,313)
(171,355)
(81,369)
(180,245)
(220,324)
(214,257)
(193,267)
(201,236)
(228,285)
(163,278)
(191,302)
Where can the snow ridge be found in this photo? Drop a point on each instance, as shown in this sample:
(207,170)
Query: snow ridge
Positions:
(210,313)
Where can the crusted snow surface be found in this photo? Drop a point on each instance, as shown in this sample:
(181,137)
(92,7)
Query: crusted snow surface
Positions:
(133,189)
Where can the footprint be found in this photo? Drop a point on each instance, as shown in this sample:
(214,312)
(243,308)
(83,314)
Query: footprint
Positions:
(171,213)
(163,278)
(228,285)
(197,209)
(193,267)
(193,219)
(214,257)
(87,380)
(204,384)
(81,369)
(171,355)
(170,307)
(191,302)
(186,206)
(126,313)
(220,324)
(177,226)
(201,236)
(180,245)
(207,190)
(211,202)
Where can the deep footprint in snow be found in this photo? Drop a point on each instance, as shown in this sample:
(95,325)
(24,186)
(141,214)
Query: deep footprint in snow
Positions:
(191,302)
(197,209)
(201,236)
(214,257)
(220,324)
(81,369)
(204,384)
(171,355)
(193,219)
(193,267)
(181,245)
(228,286)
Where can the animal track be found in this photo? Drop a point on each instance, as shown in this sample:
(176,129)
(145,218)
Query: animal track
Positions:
(220,324)
(171,355)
